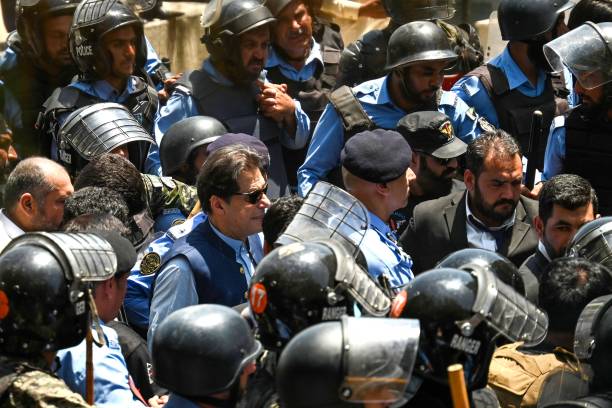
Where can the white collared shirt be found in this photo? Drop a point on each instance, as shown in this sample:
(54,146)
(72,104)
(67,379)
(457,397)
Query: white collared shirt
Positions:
(478,238)
(8,230)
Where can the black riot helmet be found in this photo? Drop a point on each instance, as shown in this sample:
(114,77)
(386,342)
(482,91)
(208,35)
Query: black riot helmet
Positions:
(461,314)
(470,259)
(522,20)
(30,16)
(93,19)
(96,129)
(598,400)
(183,138)
(276,6)
(44,279)
(202,350)
(416,42)
(404,11)
(224,21)
(354,360)
(301,284)
(593,241)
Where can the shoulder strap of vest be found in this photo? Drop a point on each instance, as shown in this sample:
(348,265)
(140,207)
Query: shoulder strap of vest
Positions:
(195,83)
(492,78)
(354,118)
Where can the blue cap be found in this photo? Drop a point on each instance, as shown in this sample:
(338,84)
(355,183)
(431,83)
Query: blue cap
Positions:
(243,139)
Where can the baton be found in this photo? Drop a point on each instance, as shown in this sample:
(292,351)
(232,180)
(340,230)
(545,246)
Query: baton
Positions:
(456,381)
(533,149)
(89,371)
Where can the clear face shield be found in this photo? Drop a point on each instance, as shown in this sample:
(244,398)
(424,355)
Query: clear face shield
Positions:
(378,359)
(584,335)
(329,212)
(595,244)
(506,311)
(587,53)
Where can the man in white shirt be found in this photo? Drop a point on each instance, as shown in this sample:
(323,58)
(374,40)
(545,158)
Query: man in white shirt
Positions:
(34,197)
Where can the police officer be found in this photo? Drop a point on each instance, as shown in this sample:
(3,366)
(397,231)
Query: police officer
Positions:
(107,43)
(307,65)
(229,87)
(417,55)
(44,289)
(459,324)
(183,149)
(576,143)
(376,170)
(364,59)
(349,363)
(592,242)
(204,354)
(512,85)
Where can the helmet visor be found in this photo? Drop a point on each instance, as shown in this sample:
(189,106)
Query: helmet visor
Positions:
(329,212)
(586,54)
(509,313)
(379,355)
(140,6)
(584,337)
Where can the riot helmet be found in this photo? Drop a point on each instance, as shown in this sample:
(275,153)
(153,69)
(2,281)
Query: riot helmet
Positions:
(304,283)
(525,20)
(96,129)
(93,19)
(224,21)
(416,42)
(31,15)
(461,315)
(405,11)
(587,53)
(183,138)
(593,241)
(354,360)
(470,259)
(44,296)
(202,350)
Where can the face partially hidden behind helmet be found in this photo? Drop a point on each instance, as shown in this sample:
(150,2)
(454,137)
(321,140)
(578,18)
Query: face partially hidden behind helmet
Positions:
(593,241)
(461,314)
(93,19)
(225,22)
(43,284)
(301,284)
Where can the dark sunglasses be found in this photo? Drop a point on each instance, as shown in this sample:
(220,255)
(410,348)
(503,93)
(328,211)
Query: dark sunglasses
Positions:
(441,162)
(254,196)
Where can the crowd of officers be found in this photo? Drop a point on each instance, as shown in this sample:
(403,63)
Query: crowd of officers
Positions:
(297,223)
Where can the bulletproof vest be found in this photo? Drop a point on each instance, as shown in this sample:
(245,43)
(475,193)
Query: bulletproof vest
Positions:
(517,377)
(588,153)
(237,108)
(218,278)
(515,110)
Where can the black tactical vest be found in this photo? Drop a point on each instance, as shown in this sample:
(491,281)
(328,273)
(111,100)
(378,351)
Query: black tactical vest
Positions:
(514,110)
(588,153)
(237,109)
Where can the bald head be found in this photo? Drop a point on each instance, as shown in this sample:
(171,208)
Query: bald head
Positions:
(35,192)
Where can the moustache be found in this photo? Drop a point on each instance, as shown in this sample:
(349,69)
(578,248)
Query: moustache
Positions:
(505,201)
(256,61)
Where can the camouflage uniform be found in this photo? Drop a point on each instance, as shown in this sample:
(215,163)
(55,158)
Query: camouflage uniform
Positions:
(166,193)
(26,384)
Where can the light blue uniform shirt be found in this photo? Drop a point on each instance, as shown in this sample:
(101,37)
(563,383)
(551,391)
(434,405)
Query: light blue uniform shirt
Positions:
(313,60)
(137,300)
(472,91)
(555,149)
(180,106)
(384,256)
(175,287)
(328,138)
(111,377)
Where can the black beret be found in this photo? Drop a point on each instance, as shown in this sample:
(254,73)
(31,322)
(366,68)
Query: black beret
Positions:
(377,156)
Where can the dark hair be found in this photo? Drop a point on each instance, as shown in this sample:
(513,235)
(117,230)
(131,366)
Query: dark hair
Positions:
(96,221)
(568,191)
(27,177)
(567,286)
(93,200)
(597,11)
(219,174)
(117,174)
(279,215)
(497,142)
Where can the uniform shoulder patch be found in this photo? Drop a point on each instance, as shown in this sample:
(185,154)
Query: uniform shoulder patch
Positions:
(485,125)
(150,263)
(177,221)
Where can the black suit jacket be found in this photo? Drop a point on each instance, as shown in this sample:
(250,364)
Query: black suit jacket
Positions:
(534,267)
(438,227)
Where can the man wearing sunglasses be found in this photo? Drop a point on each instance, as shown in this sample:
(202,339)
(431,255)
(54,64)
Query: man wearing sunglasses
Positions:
(435,158)
(215,261)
